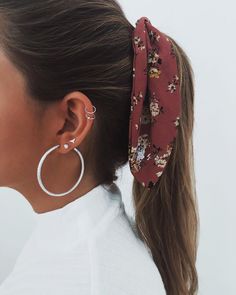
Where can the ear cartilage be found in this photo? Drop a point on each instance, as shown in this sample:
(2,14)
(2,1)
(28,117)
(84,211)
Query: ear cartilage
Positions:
(72,140)
(94,110)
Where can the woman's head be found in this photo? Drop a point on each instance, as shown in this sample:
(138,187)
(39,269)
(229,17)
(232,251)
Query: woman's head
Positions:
(58,57)
(27,128)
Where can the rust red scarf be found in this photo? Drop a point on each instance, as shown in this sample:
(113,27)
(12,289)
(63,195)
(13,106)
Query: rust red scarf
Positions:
(155,103)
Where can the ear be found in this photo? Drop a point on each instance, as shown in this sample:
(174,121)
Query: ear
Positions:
(76,124)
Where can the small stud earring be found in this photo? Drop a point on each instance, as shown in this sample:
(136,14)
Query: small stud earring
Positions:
(72,140)
(66,145)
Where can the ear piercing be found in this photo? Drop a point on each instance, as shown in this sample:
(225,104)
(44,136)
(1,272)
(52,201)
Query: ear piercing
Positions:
(90,116)
(66,145)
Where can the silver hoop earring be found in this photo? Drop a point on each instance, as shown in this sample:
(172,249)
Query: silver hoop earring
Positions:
(90,115)
(40,168)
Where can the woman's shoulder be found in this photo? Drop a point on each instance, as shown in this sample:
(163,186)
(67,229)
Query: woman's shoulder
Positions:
(120,260)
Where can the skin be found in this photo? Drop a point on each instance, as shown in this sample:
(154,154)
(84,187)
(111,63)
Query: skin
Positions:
(27,133)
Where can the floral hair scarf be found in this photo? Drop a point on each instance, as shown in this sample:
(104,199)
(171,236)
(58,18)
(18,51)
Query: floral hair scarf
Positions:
(155,103)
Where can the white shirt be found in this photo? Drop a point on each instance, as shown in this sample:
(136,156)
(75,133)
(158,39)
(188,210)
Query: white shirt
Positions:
(87,247)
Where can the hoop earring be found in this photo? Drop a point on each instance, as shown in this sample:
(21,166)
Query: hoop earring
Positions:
(66,146)
(88,114)
(40,167)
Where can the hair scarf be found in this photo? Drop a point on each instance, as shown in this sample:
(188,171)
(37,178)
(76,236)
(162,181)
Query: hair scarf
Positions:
(155,103)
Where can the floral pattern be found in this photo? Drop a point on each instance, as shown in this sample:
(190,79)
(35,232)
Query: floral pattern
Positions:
(155,107)
(139,42)
(161,161)
(155,103)
(136,99)
(153,61)
(173,83)
(137,154)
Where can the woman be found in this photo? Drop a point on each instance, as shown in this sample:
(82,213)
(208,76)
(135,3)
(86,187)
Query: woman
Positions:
(83,93)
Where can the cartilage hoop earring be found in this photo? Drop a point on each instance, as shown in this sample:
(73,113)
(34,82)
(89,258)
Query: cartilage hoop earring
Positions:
(40,168)
(88,114)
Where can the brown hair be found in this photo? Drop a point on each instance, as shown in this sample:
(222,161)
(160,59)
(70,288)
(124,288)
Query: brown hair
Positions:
(62,46)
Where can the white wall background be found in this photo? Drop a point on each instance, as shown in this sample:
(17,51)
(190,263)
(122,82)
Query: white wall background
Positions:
(205,30)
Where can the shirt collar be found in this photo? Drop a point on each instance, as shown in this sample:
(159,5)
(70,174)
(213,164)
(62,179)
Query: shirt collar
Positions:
(74,221)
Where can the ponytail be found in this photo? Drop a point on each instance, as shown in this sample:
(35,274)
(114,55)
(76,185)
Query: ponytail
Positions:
(166,216)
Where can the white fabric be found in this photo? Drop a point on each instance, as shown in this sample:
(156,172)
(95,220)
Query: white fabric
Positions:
(88,247)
